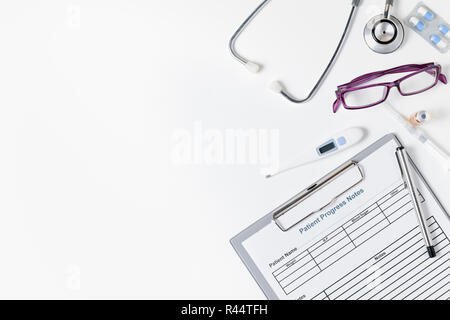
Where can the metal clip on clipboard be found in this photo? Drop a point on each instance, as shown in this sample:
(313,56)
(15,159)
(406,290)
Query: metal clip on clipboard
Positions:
(327,189)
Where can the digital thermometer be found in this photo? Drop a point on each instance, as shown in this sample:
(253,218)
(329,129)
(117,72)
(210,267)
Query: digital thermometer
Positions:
(339,142)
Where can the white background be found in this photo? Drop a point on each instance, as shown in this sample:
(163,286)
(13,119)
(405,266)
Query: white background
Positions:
(91,92)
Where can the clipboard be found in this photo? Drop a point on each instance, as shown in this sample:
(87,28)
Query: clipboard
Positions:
(352,165)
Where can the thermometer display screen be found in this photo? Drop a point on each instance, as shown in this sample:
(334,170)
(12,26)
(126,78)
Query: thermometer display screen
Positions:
(326,148)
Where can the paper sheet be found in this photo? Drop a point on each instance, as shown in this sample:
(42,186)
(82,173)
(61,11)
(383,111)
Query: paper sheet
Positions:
(366,245)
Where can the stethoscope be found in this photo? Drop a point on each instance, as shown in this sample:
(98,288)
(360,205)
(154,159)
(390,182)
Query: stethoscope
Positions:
(386,35)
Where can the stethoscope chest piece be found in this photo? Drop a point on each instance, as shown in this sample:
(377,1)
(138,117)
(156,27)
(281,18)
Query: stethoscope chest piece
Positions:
(384,35)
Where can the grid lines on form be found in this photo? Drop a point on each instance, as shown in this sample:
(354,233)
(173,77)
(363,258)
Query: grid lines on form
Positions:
(343,240)
(402,271)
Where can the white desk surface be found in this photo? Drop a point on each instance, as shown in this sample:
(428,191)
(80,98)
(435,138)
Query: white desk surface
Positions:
(91,93)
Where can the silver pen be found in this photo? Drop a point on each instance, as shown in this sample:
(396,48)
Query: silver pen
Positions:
(402,158)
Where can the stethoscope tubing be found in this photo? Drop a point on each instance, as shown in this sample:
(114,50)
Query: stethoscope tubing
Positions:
(243,26)
(329,66)
(284,92)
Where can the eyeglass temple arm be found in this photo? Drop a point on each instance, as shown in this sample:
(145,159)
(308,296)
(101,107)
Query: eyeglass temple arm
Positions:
(393,70)
(289,96)
(337,103)
(374,75)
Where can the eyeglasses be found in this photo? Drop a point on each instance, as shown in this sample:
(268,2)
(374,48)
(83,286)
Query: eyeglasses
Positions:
(355,95)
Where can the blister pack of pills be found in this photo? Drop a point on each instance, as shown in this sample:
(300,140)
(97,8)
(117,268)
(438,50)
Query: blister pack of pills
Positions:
(430,26)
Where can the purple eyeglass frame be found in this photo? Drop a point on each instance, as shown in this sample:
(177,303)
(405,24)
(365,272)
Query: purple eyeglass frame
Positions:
(354,84)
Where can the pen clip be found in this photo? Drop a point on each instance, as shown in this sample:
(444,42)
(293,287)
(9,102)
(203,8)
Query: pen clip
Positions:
(400,164)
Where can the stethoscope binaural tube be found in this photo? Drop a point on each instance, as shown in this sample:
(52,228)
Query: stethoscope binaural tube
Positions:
(250,65)
(277,86)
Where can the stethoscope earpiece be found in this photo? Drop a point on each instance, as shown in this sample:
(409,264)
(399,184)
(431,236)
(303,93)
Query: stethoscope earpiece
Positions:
(384,33)
(253,67)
